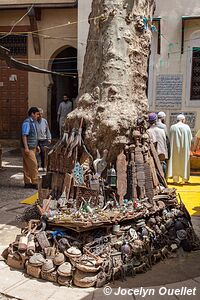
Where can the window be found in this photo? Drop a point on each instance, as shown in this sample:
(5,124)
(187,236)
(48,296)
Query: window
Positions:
(195,75)
(17,44)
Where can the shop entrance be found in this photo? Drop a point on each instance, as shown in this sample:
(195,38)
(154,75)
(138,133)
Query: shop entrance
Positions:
(64,62)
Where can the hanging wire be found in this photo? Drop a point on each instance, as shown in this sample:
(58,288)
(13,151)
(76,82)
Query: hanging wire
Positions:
(15,24)
(36,32)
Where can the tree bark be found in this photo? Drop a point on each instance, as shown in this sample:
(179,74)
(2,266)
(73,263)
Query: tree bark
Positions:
(113,89)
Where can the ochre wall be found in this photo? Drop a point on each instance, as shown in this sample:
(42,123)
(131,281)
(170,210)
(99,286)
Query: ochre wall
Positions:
(56,37)
(36,1)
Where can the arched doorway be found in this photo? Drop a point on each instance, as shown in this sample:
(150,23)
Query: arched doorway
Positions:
(64,62)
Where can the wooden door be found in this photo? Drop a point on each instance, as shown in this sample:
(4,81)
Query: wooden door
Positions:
(13,90)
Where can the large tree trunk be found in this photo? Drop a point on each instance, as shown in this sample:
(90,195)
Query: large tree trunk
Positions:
(113,90)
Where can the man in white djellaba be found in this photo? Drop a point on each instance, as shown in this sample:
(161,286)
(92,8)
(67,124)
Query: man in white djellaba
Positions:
(180,141)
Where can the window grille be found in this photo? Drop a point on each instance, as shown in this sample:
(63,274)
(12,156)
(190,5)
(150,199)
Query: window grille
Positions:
(17,44)
(195,80)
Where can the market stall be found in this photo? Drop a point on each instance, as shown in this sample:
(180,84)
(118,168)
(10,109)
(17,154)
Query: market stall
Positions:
(98,220)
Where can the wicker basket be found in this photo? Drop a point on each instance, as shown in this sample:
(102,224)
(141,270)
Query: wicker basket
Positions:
(33,271)
(85,280)
(14,263)
(65,281)
(49,276)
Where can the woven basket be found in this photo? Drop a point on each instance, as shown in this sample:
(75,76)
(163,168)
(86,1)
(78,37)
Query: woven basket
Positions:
(65,281)
(82,279)
(87,265)
(33,271)
(14,263)
(49,276)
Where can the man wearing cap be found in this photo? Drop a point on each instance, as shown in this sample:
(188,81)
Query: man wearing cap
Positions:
(180,141)
(161,124)
(158,138)
(29,144)
(161,121)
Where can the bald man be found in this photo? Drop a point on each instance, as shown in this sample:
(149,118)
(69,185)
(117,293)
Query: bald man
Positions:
(180,141)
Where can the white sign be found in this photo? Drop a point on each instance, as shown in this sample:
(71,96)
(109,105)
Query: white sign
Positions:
(190,118)
(169,91)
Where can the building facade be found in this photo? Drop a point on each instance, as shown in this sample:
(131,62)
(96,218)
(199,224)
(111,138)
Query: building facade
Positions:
(174,77)
(44,34)
(53,35)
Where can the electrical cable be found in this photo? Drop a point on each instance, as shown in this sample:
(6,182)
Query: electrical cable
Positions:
(15,24)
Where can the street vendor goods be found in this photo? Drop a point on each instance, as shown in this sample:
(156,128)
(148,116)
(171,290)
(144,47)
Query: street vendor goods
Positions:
(98,220)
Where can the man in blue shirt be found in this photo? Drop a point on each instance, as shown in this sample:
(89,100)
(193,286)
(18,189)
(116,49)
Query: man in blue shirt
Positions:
(44,137)
(29,143)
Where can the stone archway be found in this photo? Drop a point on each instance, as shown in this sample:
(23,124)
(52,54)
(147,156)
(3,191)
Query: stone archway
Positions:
(65,61)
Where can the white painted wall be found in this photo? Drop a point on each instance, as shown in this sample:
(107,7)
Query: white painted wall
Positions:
(171,61)
(84,9)
(56,36)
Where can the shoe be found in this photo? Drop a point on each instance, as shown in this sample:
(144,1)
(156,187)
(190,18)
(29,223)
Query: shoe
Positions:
(28,185)
(44,169)
(186,182)
(40,169)
(34,186)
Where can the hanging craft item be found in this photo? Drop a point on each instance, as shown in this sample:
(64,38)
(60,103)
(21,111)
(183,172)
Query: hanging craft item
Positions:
(67,185)
(133,173)
(79,136)
(76,141)
(78,174)
(121,167)
(57,185)
(70,139)
(100,163)
(158,164)
(129,174)
(148,176)
(153,172)
(139,163)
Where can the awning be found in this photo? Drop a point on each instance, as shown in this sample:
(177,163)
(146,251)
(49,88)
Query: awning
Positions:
(184,19)
(13,63)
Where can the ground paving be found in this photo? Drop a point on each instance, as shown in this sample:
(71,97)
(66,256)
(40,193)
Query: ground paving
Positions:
(180,271)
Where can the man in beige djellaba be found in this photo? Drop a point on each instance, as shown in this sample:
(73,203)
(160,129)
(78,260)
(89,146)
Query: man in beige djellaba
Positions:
(180,141)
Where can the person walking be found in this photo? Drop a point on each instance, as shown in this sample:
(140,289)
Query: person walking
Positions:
(64,109)
(44,137)
(158,138)
(180,141)
(161,117)
(29,144)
